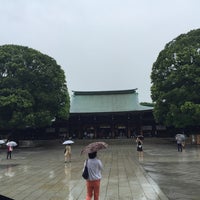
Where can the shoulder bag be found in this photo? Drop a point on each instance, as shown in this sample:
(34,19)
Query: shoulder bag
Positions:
(85,173)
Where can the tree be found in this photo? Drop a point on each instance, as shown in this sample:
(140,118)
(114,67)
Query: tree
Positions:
(176,82)
(33,89)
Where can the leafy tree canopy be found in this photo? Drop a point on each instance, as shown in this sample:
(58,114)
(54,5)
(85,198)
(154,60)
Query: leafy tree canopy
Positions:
(176,81)
(33,89)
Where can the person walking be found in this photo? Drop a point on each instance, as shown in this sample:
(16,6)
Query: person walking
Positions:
(9,151)
(179,141)
(95,168)
(67,153)
(139,146)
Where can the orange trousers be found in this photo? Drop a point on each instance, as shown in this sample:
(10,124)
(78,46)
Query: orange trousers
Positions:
(93,187)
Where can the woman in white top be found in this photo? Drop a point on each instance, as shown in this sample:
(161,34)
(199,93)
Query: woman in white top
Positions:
(93,182)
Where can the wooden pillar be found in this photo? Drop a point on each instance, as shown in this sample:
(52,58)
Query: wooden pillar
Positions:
(95,127)
(128,127)
(113,126)
(79,127)
(140,122)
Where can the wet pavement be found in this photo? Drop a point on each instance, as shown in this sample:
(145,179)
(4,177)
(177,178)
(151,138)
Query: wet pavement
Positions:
(162,173)
(176,173)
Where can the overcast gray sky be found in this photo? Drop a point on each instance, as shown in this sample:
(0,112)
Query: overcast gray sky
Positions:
(100,44)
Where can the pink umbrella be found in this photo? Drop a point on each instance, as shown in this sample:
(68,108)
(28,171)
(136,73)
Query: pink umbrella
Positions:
(93,147)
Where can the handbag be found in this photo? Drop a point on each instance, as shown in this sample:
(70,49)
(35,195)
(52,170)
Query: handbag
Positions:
(85,173)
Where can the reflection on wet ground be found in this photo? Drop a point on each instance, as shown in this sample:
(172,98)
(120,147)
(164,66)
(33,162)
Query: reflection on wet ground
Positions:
(161,173)
(178,182)
(177,173)
(3,166)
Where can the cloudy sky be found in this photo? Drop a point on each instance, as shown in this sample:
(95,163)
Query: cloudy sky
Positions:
(100,44)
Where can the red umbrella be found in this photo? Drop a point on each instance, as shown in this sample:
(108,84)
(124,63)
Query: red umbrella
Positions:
(93,147)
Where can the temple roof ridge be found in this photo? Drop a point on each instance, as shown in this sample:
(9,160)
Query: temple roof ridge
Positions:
(106,101)
(100,92)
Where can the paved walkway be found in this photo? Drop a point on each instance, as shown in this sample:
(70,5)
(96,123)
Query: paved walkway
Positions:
(163,173)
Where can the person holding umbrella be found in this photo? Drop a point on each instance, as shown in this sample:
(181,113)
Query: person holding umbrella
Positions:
(139,146)
(9,151)
(95,167)
(10,148)
(68,150)
(180,138)
(68,153)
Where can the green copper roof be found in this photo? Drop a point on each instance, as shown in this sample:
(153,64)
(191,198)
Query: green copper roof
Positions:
(105,101)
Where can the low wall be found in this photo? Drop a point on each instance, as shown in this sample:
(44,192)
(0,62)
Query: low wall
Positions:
(37,143)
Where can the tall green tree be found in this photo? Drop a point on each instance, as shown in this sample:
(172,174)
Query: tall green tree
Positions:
(176,81)
(33,88)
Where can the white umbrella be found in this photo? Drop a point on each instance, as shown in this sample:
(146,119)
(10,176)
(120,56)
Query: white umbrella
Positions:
(68,142)
(180,137)
(11,143)
(2,141)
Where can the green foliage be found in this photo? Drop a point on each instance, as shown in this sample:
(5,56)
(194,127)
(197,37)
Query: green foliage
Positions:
(176,81)
(33,89)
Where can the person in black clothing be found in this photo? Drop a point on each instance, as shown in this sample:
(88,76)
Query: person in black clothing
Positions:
(139,146)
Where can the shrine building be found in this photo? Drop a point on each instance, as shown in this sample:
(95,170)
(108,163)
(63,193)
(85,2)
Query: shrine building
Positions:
(109,114)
